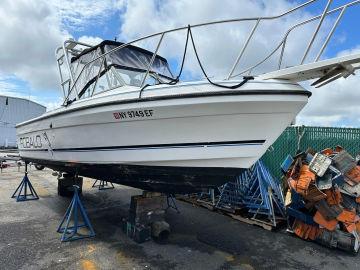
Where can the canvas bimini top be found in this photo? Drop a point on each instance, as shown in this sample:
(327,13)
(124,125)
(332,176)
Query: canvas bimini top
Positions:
(131,57)
(120,67)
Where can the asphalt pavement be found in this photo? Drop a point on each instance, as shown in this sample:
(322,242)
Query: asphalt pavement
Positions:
(199,239)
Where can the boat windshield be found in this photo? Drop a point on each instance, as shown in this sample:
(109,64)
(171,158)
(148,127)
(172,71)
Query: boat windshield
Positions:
(126,66)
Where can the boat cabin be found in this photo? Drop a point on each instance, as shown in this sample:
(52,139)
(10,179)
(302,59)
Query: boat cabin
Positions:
(92,70)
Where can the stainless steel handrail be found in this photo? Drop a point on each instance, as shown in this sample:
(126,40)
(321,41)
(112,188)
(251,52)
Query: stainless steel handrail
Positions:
(241,53)
(243,49)
(330,34)
(283,41)
(152,60)
(184,28)
(323,15)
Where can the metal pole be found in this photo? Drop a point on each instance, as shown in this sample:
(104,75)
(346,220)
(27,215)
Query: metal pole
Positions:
(98,75)
(289,31)
(316,31)
(282,52)
(243,49)
(70,71)
(212,194)
(330,34)
(152,60)
(61,76)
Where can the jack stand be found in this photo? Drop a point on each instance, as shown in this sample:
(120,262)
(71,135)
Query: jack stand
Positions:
(70,233)
(23,188)
(171,203)
(103,185)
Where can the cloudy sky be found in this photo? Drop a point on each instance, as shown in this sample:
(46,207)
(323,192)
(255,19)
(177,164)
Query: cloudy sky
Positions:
(31,30)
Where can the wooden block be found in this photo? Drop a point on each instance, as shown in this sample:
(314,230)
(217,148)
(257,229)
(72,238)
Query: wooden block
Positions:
(141,204)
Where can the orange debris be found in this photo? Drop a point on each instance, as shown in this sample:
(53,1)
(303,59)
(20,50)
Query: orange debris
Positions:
(350,227)
(333,196)
(327,151)
(306,231)
(301,185)
(347,216)
(354,174)
(310,194)
(313,194)
(358,227)
(338,148)
(327,224)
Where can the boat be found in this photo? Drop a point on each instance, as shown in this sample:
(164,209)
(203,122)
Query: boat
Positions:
(127,119)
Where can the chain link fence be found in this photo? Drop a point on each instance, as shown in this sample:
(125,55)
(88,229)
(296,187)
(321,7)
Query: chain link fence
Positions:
(302,137)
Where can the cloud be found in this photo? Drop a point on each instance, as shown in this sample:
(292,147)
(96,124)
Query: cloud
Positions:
(32,30)
(29,35)
(49,104)
(7,86)
(218,45)
(12,87)
(77,14)
(90,40)
(335,104)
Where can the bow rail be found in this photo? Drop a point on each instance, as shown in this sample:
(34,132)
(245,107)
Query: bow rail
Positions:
(70,76)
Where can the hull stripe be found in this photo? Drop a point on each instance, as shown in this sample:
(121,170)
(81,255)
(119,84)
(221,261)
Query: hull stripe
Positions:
(154,146)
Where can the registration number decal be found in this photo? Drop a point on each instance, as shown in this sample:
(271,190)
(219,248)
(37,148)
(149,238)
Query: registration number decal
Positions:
(133,114)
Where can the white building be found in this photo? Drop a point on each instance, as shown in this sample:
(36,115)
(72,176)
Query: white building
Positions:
(13,111)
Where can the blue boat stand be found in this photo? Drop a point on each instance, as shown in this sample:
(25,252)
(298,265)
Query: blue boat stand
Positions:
(25,191)
(74,211)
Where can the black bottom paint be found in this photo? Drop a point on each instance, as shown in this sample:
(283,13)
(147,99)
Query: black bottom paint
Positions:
(163,179)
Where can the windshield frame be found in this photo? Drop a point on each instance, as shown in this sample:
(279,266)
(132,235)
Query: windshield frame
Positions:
(156,76)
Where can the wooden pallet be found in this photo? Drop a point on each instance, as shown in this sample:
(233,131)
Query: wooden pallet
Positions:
(229,210)
(237,214)
(199,202)
(262,223)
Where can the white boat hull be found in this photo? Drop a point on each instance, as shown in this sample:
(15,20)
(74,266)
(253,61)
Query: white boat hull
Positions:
(227,130)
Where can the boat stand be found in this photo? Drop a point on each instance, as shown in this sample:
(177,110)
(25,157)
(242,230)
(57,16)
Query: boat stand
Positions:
(25,191)
(171,203)
(75,209)
(103,185)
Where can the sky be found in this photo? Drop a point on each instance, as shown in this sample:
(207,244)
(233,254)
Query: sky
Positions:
(31,31)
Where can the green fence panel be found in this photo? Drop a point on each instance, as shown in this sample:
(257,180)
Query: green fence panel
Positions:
(303,137)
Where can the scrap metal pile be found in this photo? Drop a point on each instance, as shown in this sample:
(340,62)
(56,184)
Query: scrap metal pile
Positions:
(323,197)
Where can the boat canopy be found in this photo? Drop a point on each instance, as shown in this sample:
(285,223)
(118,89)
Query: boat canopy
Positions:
(122,66)
(132,57)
